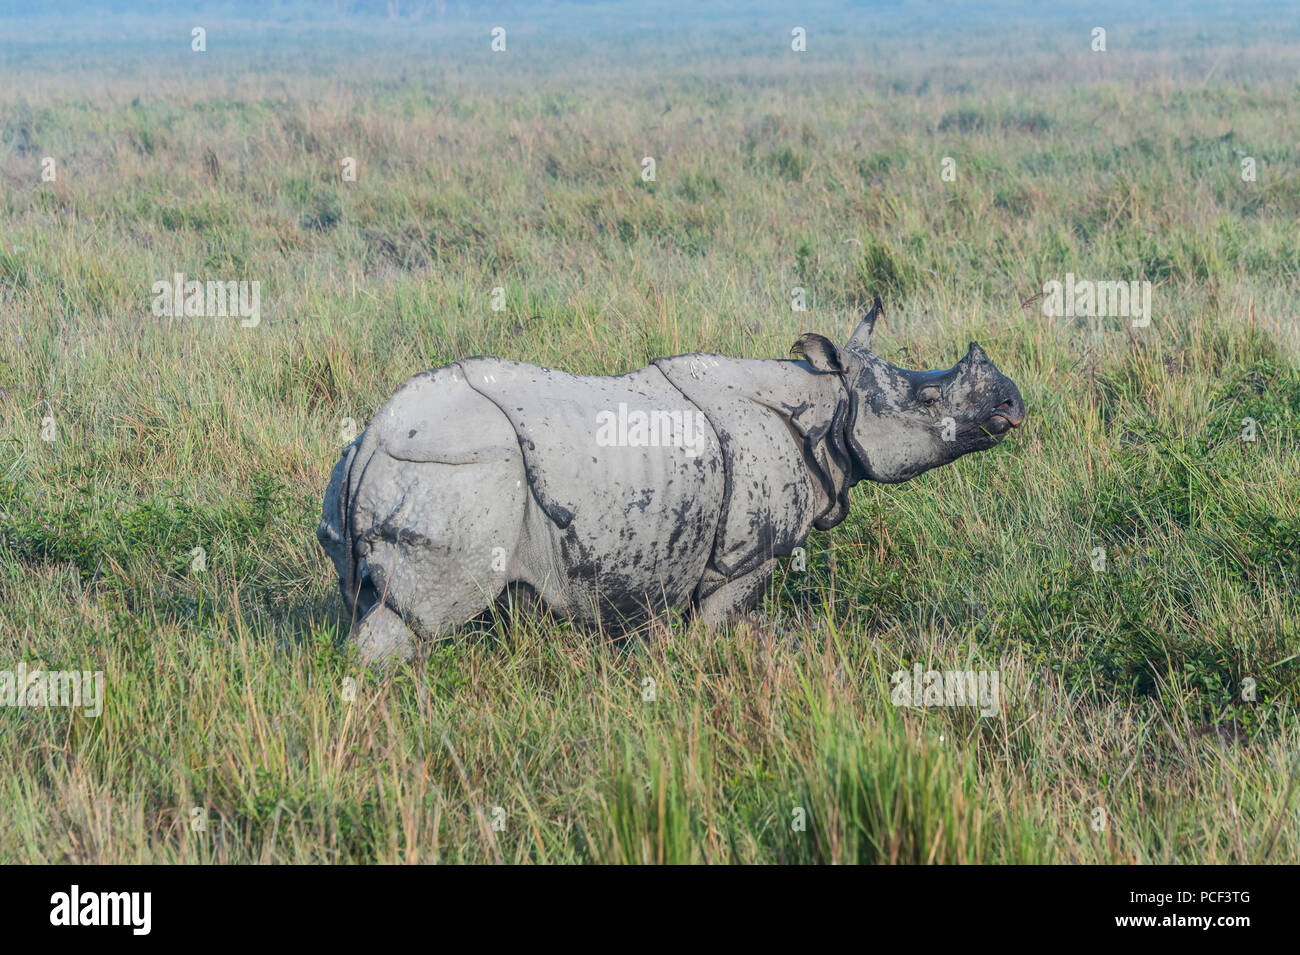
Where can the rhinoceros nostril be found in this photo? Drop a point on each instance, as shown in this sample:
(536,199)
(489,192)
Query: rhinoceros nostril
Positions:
(1012,411)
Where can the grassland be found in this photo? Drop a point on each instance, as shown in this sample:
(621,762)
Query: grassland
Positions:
(1125,689)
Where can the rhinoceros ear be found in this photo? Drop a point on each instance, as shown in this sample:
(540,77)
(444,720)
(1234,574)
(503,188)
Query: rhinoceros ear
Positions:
(819,352)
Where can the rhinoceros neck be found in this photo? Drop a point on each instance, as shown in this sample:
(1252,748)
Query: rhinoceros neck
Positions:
(816,408)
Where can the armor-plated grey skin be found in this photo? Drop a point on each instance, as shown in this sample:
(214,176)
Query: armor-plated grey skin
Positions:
(610,499)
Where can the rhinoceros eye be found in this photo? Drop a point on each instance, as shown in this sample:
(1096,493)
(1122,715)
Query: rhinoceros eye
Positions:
(928,397)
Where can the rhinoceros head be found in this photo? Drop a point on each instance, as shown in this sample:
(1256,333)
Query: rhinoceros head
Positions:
(907,422)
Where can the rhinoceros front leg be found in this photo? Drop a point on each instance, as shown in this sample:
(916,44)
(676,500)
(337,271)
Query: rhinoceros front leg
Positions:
(720,600)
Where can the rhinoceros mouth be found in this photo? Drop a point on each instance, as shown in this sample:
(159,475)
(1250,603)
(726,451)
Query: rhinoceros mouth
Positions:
(1010,414)
(998,426)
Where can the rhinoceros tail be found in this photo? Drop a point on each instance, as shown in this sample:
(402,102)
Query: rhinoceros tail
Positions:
(335,531)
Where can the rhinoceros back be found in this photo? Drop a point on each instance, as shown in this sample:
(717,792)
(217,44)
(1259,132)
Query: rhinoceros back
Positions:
(627,473)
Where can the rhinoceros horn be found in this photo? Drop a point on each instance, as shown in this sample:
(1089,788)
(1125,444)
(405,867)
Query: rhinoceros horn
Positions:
(861,337)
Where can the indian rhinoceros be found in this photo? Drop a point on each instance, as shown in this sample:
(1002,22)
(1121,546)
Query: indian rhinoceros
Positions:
(676,485)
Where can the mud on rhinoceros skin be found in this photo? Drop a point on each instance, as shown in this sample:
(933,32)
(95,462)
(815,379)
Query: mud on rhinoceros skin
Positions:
(610,499)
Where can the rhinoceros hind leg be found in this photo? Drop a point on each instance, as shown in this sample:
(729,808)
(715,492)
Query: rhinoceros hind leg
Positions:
(382,635)
(721,600)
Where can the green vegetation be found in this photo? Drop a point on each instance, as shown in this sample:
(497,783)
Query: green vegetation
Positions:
(1127,688)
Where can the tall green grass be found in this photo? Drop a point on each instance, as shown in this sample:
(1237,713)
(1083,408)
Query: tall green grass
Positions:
(1161,690)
